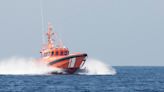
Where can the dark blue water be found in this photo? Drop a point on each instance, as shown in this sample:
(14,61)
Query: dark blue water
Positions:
(127,79)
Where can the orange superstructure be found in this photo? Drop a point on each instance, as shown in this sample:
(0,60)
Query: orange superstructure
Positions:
(57,55)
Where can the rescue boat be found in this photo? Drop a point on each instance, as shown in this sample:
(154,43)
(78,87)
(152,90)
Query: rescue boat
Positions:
(56,55)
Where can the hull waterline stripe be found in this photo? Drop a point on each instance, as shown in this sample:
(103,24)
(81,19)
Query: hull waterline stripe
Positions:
(67,57)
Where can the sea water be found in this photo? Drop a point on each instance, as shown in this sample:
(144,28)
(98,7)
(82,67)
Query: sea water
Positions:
(127,79)
(25,75)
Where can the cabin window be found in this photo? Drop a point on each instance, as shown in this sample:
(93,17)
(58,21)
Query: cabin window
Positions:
(65,53)
(52,53)
(56,53)
(61,53)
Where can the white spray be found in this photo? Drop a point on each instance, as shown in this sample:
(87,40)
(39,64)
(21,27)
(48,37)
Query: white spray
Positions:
(97,67)
(28,66)
(24,66)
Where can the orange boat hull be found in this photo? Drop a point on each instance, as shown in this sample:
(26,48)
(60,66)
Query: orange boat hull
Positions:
(69,64)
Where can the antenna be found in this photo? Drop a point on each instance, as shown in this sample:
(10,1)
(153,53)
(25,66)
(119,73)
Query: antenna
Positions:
(42,18)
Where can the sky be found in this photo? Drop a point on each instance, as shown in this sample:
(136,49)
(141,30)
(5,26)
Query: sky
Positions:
(118,32)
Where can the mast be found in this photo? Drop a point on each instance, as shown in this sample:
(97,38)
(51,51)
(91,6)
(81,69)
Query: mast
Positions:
(49,36)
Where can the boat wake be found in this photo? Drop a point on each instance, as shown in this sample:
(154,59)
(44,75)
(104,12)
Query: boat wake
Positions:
(29,66)
(96,67)
(24,66)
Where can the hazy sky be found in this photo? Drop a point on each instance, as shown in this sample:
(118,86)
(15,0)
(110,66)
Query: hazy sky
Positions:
(120,32)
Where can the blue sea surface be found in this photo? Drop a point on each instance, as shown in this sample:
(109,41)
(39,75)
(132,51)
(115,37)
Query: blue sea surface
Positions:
(127,79)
